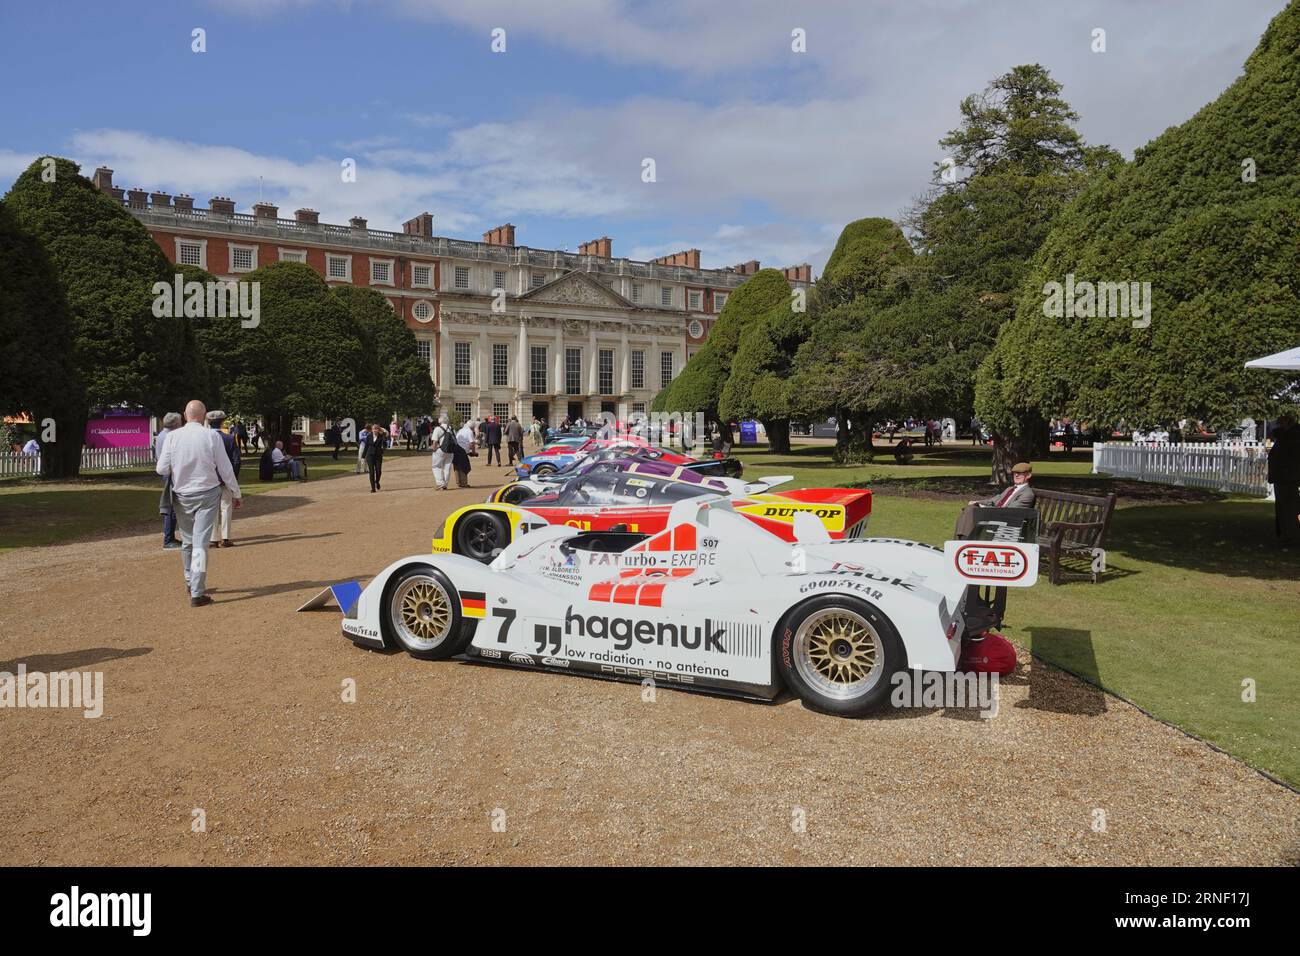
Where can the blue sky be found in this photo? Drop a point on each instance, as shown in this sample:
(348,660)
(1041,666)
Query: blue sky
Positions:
(760,152)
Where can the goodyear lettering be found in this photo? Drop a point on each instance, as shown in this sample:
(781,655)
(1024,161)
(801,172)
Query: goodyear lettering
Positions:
(841,585)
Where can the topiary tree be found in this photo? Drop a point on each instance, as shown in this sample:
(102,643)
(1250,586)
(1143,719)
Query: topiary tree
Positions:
(698,387)
(107,264)
(37,373)
(404,381)
(1208,213)
(247,370)
(840,366)
(758,386)
(330,372)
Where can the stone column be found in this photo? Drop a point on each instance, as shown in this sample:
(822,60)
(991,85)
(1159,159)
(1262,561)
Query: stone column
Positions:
(593,385)
(484,367)
(444,361)
(523,359)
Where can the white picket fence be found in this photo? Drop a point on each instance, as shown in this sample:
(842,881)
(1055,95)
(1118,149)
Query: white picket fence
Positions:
(92,459)
(1236,467)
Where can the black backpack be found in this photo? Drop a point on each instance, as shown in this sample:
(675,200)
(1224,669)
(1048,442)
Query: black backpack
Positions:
(448,440)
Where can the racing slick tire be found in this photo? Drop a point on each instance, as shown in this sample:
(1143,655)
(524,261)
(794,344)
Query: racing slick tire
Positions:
(837,653)
(480,533)
(544,470)
(514,494)
(421,614)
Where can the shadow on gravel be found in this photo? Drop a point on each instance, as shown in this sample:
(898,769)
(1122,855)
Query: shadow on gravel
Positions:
(219,595)
(1054,690)
(272,538)
(72,660)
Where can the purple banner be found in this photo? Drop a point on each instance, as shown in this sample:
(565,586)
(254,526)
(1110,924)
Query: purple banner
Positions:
(120,431)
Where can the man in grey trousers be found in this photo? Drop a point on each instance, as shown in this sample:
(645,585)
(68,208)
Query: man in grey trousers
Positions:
(196,461)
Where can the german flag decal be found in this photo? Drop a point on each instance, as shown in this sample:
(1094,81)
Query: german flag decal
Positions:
(473,603)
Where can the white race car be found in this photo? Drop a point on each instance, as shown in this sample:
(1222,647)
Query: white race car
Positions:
(713,602)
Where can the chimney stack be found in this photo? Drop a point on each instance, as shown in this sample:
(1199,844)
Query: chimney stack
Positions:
(602,248)
(421,225)
(160,200)
(265,210)
(799,273)
(183,203)
(689,258)
(137,198)
(308,217)
(221,206)
(746,268)
(500,236)
(103,179)
(358,224)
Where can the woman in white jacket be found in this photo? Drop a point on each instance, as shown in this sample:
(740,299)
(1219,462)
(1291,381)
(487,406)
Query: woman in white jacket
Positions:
(442,437)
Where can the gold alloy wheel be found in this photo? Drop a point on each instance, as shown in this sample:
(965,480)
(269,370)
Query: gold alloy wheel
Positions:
(421,612)
(839,653)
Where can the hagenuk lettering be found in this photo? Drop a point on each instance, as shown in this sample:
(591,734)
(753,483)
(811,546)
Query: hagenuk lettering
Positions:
(624,631)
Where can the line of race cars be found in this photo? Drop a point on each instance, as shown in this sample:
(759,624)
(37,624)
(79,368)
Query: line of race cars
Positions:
(628,563)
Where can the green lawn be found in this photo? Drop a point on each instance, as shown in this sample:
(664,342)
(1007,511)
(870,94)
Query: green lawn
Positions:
(32,513)
(1196,600)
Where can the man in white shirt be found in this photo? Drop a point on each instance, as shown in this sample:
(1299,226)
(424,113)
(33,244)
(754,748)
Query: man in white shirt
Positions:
(196,461)
(442,459)
(33,447)
(465,439)
(283,462)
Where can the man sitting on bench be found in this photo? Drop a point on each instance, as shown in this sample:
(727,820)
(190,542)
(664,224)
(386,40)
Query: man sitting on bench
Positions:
(1018,495)
(282,462)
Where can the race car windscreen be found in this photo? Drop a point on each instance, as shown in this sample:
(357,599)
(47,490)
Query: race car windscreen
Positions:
(605,490)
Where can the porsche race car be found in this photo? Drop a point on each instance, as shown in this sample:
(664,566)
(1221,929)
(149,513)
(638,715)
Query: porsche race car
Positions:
(628,501)
(643,461)
(711,601)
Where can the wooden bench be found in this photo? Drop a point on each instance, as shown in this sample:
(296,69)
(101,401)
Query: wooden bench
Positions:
(1070,524)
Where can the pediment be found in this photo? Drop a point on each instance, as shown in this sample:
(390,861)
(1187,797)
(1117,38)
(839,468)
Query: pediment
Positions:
(576,288)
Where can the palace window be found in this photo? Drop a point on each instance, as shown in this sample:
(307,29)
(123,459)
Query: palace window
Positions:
(636,292)
(695,299)
(537,369)
(539,280)
(607,371)
(502,411)
(573,371)
(638,368)
(719,300)
(381,271)
(462,277)
(665,368)
(422,311)
(338,267)
(666,296)
(293,255)
(191,254)
(462,413)
(424,349)
(500,364)
(422,276)
(243,258)
(499,279)
(462,363)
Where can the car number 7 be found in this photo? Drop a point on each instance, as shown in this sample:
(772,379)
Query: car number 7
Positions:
(507,615)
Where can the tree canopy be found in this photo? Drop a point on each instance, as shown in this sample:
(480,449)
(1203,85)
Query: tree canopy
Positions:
(404,382)
(1208,213)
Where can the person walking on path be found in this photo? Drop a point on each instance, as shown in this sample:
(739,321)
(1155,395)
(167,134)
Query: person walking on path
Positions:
(492,438)
(464,448)
(375,456)
(196,461)
(1284,476)
(514,440)
(231,445)
(171,422)
(444,445)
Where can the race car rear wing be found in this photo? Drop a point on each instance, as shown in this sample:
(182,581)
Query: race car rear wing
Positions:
(761,485)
